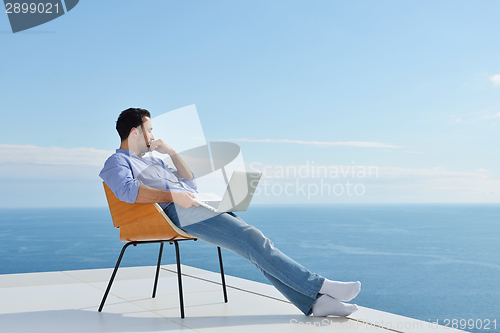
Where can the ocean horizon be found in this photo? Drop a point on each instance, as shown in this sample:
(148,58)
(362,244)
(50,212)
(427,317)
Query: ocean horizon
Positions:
(434,262)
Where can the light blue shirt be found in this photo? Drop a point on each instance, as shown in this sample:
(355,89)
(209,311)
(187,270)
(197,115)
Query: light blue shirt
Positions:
(123,172)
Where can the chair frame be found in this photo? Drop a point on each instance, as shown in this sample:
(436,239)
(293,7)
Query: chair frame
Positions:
(179,273)
(151,227)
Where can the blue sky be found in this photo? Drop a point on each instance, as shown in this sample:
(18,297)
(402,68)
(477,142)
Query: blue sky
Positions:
(412,88)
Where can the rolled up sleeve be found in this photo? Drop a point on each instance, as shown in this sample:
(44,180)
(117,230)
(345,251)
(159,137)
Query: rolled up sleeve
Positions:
(117,174)
(189,182)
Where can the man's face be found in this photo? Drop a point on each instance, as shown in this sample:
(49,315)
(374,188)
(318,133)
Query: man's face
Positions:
(146,135)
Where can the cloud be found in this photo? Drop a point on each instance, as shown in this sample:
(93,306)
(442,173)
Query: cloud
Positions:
(496,80)
(311,170)
(493,116)
(382,183)
(475,117)
(30,154)
(319,143)
(438,172)
(412,152)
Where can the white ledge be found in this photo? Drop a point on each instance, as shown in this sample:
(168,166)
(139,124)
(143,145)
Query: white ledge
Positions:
(67,302)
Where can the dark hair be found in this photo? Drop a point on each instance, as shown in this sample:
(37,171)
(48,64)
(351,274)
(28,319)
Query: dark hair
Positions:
(128,119)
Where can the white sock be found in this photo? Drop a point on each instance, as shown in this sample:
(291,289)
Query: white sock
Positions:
(343,291)
(328,306)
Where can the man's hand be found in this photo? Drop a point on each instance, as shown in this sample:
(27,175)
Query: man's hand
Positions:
(161,147)
(182,168)
(148,194)
(184,199)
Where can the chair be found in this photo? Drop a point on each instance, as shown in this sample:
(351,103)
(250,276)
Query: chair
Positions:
(148,223)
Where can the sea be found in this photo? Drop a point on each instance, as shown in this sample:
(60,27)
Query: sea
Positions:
(434,262)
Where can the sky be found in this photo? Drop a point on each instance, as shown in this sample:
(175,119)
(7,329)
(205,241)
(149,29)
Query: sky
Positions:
(334,101)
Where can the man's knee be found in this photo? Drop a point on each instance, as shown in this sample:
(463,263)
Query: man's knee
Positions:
(257,238)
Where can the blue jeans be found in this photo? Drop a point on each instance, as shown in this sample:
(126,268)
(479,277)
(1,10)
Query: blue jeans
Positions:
(230,232)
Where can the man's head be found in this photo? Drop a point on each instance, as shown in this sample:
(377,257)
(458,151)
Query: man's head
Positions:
(129,119)
(135,130)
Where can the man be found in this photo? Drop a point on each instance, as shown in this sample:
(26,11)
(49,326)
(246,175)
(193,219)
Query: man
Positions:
(134,177)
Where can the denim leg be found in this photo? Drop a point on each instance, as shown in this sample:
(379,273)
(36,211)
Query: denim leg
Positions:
(302,302)
(230,232)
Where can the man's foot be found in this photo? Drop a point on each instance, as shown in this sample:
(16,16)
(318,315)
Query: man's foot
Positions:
(328,306)
(343,291)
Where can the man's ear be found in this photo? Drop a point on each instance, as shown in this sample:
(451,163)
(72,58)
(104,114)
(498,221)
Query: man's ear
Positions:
(133,131)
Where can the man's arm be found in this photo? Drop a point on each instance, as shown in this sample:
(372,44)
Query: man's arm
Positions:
(117,174)
(148,194)
(182,168)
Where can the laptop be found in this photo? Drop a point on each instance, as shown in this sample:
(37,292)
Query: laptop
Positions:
(238,194)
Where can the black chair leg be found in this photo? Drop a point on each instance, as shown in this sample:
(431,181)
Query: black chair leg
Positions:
(158,269)
(222,275)
(181,297)
(179,273)
(114,274)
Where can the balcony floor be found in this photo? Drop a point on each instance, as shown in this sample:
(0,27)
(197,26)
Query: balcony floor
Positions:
(67,302)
